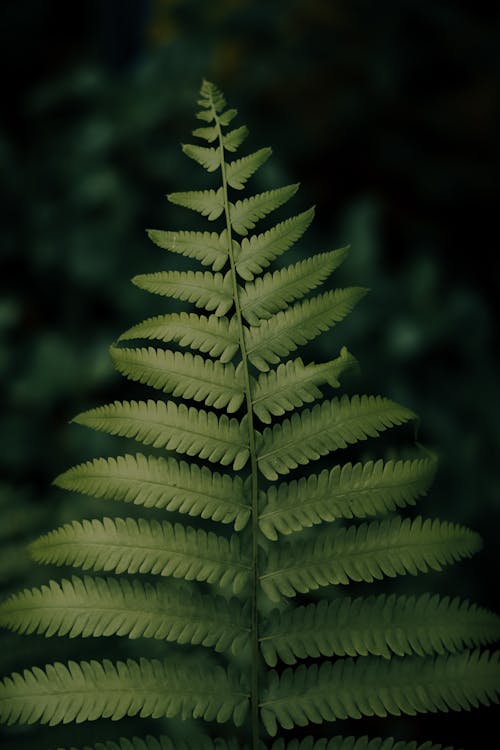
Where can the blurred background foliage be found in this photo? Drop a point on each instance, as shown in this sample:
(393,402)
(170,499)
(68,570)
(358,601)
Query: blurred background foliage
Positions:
(386,112)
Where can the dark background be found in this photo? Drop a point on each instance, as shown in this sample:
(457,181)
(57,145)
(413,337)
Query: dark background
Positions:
(388,115)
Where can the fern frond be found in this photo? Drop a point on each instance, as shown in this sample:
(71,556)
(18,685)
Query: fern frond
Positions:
(348,743)
(259,250)
(324,428)
(86,691)
(204,289)
(347,491)
(210,248)
(365,553)
(209,158)
(211,335)
(245,213)
(209,203)
(273,292)
(97,607)
(238,172)
(157,482)
(233,140)
(379,687)
(284,332)
(378,625)
(164,743)
(128,545)
(183,375)
(293,384)
(175,427)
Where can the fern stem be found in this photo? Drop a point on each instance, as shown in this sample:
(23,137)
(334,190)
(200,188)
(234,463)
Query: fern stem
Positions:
(255,647)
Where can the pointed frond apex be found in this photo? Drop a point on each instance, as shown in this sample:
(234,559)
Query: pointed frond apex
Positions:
(238,172)
(293,384)
(209,158)
(353,743)
(184,375)
(103,607)
(367,553)
(275,338)
(86,691)
(259,250)
(211,335)
(377,625)
(210,248)
(245,213)
(204,289)
(380,687)
(157,482)
(128,545)
(209,203)
(326,427)
(273,292)
(346,491)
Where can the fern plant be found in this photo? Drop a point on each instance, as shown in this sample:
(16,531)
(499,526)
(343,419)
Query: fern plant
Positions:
(238,397)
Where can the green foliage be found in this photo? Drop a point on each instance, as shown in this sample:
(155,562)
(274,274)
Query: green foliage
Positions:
(411,655)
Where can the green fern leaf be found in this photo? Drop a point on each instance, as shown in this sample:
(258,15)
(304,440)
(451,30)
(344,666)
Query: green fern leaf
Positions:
(210,248)
(293,384)
(378,625)
(103,607)
(209,203)
(164,743)
(211,335)
(204,289)
(174,427)
(207,134)
(245,213)
(284,332)
(238,172)
(128,545)
(379,687)
(87,691)
(259,250)
(324,428)
(209,158)
(273,292)
(349,743)
(184,375)
(365,553)
(347,491)
(156,482)
(233,140)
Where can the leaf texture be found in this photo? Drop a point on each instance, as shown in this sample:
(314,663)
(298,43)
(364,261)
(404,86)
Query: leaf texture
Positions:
(259,250)
(209,158)
(86,691)
(209,203)
(211,335)
(164,743)
(346,491)
(157,482)
(351,743)
(273,292)
(128,545)
(379,687)
(365,553)
(245,213)
(204,289)
(324,428)
(293,384)
(183,375)
(238,172)
(377,625)
(284,332)
(234,138)
(175,427)
(103,607)
(210,248)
